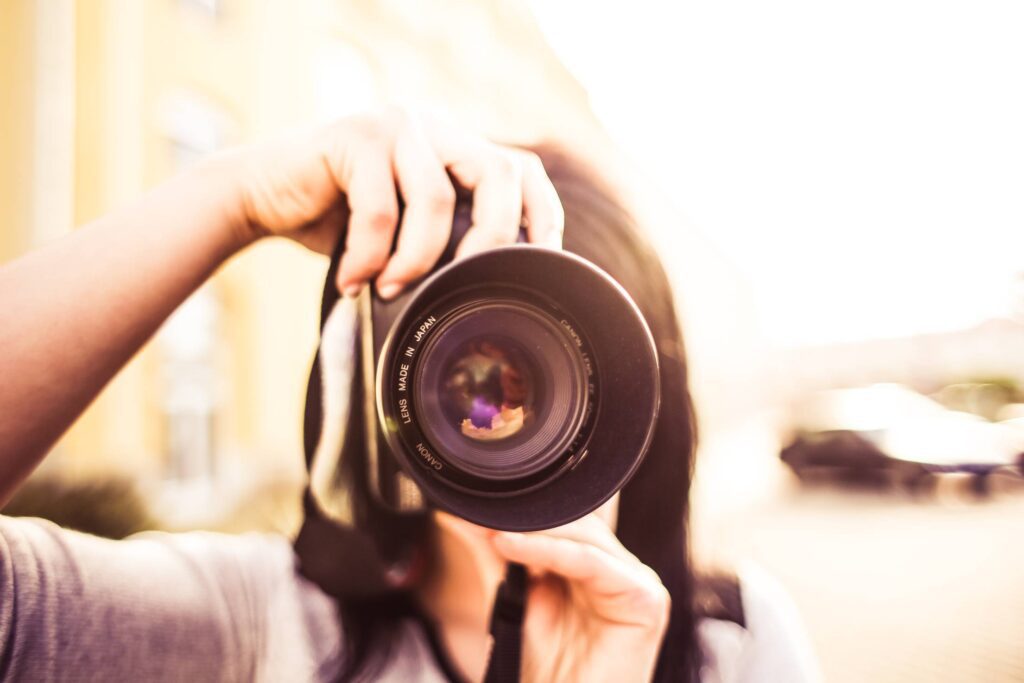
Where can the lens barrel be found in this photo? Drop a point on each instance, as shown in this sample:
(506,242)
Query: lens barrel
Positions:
(518,388)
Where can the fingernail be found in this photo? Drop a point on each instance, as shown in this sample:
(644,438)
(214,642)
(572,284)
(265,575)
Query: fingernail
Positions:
(352,291)
(388,290)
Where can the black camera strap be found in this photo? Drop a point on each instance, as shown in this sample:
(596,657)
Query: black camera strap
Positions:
(507,627)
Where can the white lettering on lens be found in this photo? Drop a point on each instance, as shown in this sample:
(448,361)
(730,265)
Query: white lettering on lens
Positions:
(579,344)
(428,457)
(403,374)
(427,324)
(403,410)
(409,351)
(572,332)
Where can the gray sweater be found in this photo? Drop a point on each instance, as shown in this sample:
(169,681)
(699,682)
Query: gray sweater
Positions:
(201,606)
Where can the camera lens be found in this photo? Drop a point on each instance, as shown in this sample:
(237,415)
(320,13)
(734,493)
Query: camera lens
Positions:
(500,390)
(517,388)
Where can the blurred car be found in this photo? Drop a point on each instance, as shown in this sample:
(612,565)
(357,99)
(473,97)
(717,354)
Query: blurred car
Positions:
(890,434)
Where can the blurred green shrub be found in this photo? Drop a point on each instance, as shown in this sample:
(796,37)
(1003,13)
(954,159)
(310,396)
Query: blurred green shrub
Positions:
(110,507)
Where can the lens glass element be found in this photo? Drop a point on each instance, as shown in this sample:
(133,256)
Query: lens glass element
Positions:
(488,389)
(500,390)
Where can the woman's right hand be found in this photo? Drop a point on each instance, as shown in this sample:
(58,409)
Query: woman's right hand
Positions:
(594,612)
(354,170)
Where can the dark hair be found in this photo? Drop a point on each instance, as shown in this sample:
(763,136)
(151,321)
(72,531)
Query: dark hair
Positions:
(653,508)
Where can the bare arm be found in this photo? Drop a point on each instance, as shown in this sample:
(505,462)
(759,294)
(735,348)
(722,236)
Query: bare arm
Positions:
(73,313)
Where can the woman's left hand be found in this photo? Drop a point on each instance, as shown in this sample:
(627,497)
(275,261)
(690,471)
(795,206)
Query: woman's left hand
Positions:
(594,612)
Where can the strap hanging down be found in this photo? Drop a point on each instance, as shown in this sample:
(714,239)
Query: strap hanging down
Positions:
(507,627)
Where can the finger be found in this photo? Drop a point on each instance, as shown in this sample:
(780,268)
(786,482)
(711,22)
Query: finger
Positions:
(427,218)
(374,215)
(628,593)
(494,175)
(497,213)
(545,218)
(596,570)
(591,529)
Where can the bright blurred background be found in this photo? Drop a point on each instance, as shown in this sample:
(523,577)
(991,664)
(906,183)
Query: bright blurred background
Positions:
(836,189)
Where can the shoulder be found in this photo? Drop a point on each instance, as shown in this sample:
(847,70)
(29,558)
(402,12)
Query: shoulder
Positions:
(296,626)
(769,643)
(36,547)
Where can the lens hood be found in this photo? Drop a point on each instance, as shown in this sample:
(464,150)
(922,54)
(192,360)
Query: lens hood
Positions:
(570,354)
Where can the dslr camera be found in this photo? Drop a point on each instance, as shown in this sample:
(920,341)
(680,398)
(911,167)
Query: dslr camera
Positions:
(517,388)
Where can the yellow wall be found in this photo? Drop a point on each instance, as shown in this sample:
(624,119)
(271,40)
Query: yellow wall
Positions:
(252,65)
(17,63)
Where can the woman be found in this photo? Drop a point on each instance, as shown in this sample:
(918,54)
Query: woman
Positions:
(611,595)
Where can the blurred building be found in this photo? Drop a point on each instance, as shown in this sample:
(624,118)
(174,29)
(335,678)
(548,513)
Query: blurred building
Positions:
(987,351)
